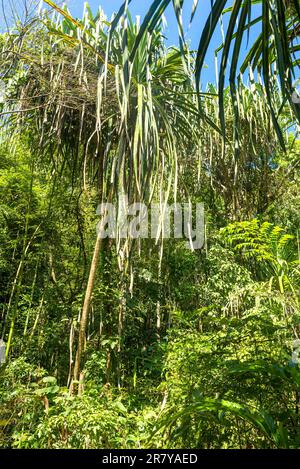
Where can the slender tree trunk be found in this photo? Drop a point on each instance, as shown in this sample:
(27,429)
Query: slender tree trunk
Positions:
(71,343)
(17,284)
(121,318)
(37,317)
(158,305)
(85,310)
(31,298)
(77,375)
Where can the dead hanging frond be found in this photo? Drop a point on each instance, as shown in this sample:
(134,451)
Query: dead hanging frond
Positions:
(241,168)
(51,85)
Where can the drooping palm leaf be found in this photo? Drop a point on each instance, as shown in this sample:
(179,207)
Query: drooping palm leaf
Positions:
(279,25)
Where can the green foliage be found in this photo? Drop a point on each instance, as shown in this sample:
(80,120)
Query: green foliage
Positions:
(183,349)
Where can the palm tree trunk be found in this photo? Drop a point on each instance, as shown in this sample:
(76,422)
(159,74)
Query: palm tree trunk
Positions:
(85,310)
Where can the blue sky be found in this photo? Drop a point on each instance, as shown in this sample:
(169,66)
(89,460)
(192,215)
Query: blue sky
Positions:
(140,7)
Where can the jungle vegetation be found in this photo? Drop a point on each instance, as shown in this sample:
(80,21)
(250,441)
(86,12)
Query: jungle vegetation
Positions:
(123,343)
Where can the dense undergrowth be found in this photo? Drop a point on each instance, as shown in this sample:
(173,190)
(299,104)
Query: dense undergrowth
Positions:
(218,373)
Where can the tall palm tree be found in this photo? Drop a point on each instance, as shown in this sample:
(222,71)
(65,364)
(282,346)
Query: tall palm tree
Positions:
(113,118)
